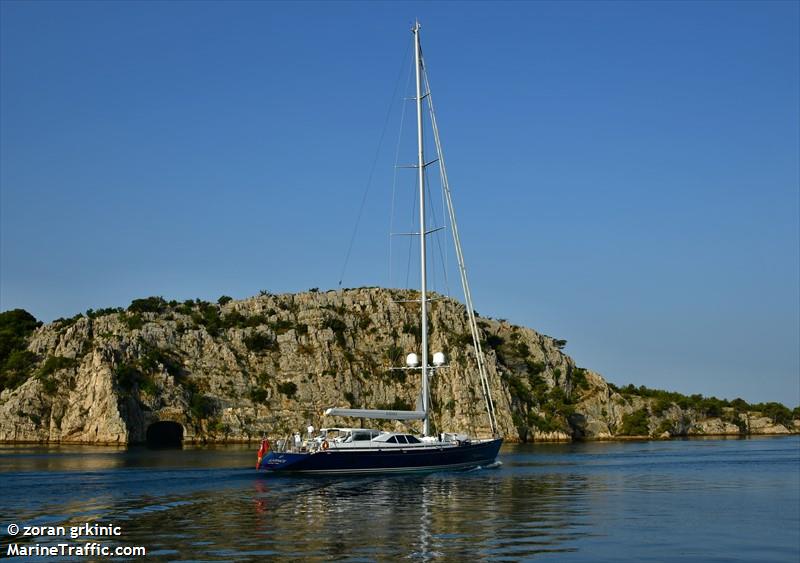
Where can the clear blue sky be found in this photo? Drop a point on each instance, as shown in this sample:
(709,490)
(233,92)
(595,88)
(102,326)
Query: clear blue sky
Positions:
(626,174)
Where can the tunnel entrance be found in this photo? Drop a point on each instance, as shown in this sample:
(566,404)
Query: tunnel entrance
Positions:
(165,434)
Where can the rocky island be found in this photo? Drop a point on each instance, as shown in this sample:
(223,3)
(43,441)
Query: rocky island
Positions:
(236,370)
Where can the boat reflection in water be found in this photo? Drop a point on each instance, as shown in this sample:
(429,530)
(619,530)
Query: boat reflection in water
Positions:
(443,515)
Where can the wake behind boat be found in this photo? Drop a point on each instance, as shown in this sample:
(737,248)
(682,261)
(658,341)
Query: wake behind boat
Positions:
(360,450)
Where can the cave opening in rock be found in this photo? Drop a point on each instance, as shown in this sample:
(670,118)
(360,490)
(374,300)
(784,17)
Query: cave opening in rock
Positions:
(165,434)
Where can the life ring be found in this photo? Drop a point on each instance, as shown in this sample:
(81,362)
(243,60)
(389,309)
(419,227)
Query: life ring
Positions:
(325,444)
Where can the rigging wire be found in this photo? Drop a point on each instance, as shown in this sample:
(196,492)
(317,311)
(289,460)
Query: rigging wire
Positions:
(438,239)
(394,175)
(411,238)
(445,261)
(433,222)
(372,168)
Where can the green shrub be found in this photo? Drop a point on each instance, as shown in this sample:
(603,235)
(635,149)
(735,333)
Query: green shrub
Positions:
(539,387)
(709,406)
(635,423)
(534,368)
(17,369)
(132,322)
(494,341)
(207,316)
(665,426)
(148,305)
(519,390)
(282,326)
(414,329)
(235,319)
(224,300)
(185,308)
(578,378)
(397,375)
(148,385)
(153,356)
(338,327)
(740,421)
(127,376)
(712,407)
(740,404)
(263,378)
(661,405)
(16,363)
(287,388)
(258,395)
(780,414)
(259,343)
(15,328)
(201,406)
(64,323)
(543,424)
(557,407)
(54,363)
(219,427)
(49,384)
(462,340)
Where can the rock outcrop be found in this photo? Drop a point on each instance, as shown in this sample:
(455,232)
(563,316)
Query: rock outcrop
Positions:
(271,364)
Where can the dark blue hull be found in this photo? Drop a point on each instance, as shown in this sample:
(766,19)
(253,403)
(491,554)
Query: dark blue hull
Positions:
(465,456)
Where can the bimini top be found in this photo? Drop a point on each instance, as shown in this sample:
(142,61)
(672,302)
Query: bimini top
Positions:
(376,413)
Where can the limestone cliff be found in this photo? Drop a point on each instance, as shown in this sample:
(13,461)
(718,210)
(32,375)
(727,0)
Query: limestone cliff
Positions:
(270,364)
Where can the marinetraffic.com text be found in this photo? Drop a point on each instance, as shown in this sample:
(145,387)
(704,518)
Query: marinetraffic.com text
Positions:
(51,545)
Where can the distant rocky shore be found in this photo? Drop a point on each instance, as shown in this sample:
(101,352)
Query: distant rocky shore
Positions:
(237,370)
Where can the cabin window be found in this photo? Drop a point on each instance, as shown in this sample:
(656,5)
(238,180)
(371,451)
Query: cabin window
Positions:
(412,439)
(392,440)
(401,439)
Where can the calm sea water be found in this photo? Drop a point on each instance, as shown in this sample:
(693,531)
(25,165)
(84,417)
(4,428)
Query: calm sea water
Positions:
(694,500)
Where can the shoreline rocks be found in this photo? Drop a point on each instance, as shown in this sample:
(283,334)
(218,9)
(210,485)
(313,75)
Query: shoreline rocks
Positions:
(235,371)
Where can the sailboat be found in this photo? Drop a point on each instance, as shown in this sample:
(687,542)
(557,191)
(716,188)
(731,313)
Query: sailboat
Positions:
(361,450)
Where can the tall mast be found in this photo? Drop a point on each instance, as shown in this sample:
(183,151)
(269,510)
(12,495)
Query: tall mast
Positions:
(422,232)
